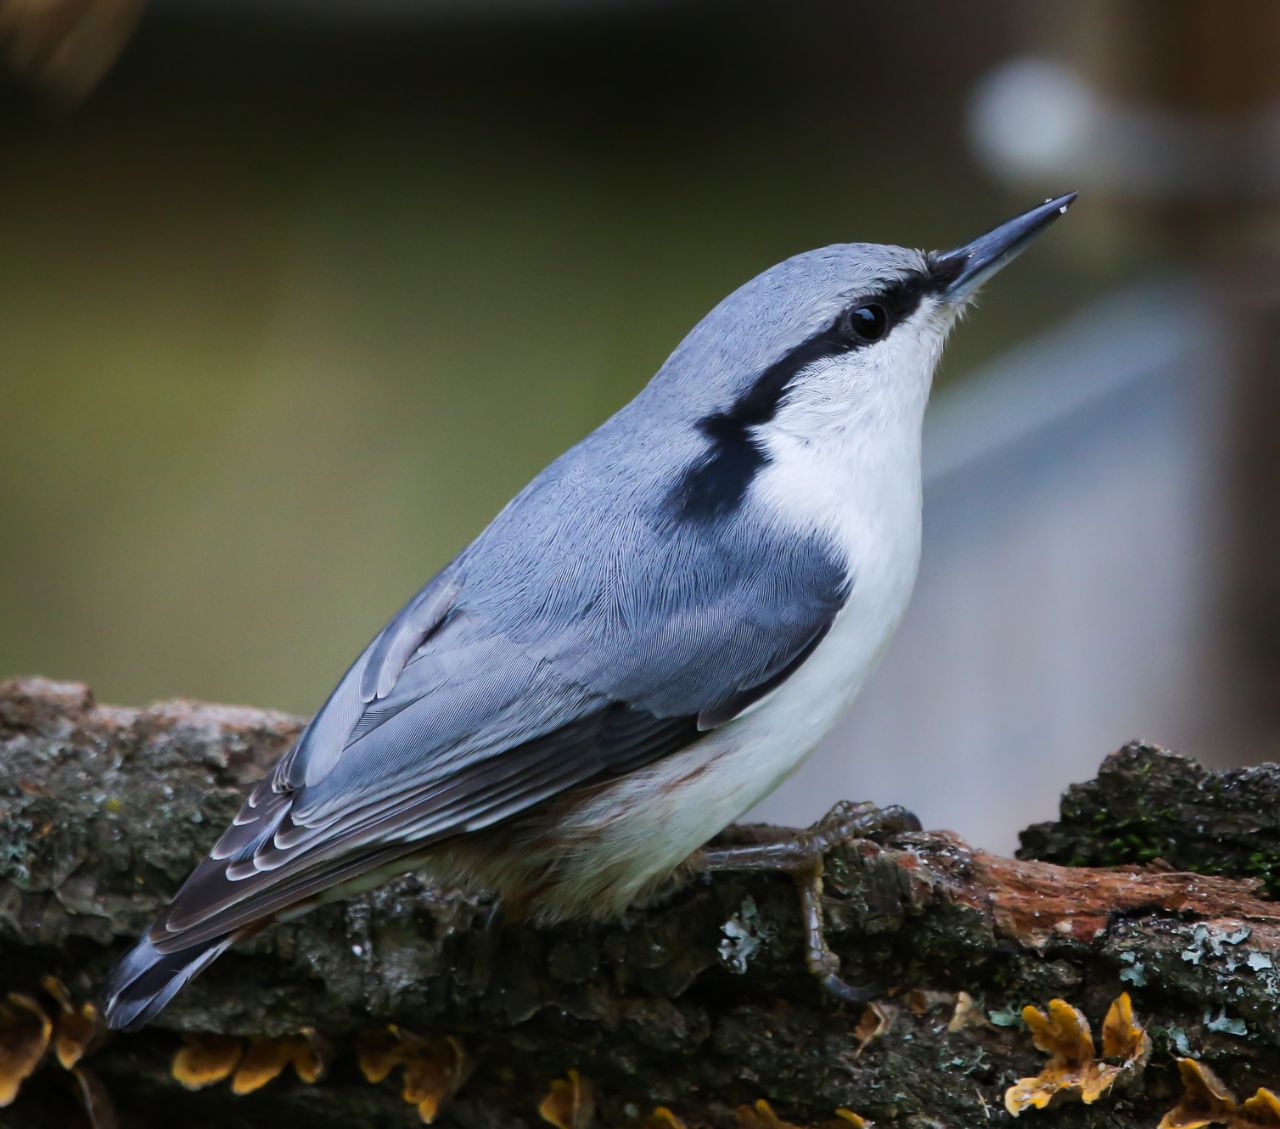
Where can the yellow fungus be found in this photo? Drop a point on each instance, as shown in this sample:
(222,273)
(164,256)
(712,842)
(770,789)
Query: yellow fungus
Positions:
(569,1103)
(663,1118)
(266,1059)
(1205,1099)
(434,1068)
(1063,1034)
(433,1071)
(1262,1111)
(1123,1037)
(761,1116)
(379,1052)
(24,1037)
(74,1028)
(206,1059)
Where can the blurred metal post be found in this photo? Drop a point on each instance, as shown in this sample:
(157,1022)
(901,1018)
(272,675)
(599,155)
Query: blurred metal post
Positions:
(1208,73)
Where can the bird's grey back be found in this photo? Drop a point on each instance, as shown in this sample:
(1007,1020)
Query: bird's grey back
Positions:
(598,580)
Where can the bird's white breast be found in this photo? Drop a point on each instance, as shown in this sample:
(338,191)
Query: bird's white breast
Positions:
(867,503)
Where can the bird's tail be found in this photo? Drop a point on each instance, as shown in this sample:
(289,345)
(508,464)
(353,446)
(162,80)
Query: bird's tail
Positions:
(145,979)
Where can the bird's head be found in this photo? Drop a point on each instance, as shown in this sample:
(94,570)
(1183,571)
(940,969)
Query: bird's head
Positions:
(831,344)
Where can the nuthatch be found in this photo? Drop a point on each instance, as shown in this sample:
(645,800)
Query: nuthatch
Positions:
(647,640)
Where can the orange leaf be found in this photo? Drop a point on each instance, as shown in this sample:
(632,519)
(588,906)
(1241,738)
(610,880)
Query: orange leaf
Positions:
(874,1022)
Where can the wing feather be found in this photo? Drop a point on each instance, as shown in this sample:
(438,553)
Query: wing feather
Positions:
(218,898)
(467,710)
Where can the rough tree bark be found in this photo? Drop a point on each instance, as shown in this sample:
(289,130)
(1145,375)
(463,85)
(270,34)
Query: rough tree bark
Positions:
(700,1003)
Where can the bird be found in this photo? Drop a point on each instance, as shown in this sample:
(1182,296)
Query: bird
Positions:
(649,638)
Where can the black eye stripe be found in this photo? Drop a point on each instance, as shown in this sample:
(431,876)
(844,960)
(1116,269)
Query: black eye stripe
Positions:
(899,300)
(714,485)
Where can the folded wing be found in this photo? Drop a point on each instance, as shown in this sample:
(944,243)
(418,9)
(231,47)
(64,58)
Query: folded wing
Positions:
(563,647)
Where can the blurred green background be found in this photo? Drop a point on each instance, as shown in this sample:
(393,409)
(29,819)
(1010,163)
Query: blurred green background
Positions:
(299,296)
(301,291)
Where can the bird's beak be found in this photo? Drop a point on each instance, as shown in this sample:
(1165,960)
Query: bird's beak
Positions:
(966,268)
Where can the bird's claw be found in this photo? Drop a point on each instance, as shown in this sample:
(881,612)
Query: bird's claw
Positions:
(803,855)
(847,822)
(802,851)
(856,994)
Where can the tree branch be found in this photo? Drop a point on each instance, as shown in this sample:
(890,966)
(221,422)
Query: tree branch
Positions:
(700,1003)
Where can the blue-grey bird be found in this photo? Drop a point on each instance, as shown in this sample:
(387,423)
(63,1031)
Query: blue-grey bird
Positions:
(644,643)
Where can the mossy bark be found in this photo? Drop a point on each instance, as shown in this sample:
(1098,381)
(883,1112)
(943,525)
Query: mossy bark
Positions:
(699,1003)
(1147,806)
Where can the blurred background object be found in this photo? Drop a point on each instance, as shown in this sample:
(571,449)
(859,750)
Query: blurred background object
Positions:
(65,47)
(300,293)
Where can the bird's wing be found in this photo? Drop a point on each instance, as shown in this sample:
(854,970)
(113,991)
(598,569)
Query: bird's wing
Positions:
(454,719)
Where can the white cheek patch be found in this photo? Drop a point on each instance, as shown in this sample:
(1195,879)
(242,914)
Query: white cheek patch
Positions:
(869,386)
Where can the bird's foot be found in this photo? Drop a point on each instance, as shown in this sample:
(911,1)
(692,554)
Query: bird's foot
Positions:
(803,851)
(822,963)
(803,855)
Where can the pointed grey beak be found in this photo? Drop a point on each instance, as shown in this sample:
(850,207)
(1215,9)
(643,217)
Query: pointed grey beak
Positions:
(963,270)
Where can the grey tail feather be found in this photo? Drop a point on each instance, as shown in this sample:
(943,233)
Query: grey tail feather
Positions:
(145,980)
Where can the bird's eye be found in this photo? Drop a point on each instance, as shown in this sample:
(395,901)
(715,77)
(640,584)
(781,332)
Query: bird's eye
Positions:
(868,323)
